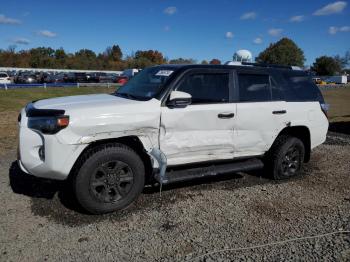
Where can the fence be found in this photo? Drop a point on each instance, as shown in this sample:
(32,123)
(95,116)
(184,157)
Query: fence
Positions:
(48,85)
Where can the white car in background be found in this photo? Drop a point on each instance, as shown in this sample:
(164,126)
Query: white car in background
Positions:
(4,78)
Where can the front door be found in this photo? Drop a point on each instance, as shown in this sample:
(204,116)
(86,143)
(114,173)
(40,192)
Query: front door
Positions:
(203,130)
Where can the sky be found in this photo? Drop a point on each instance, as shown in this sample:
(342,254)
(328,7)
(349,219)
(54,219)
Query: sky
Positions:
(199,29)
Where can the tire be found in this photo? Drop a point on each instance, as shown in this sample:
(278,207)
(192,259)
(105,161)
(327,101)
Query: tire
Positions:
(285,157)
(110,178)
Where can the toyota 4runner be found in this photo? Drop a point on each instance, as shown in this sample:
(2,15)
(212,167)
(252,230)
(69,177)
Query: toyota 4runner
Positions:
(173,123)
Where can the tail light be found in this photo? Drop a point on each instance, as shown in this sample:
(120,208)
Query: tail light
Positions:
(325,108)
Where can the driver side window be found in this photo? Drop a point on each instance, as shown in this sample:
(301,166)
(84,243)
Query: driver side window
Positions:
(206,88)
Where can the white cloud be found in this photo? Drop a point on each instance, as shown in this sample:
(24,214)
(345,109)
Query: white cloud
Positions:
(333,8)
(275,31)
(333,29)
(46,33)
(297,18)
(9,21)
(249,15)
(258,40)
(344,29)
(229,35)
(21,41)
(170,10)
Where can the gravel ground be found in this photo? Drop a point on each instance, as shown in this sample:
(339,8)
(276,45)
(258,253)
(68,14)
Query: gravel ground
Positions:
(39,222)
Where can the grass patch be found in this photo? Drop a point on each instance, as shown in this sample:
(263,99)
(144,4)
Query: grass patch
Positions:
(15,99)
(339,101)
(12,100)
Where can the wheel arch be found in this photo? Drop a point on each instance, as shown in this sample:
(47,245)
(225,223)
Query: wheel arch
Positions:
(134,142)
(302,133)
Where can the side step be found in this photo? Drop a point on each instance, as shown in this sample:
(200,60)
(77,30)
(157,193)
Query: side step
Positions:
(174,176)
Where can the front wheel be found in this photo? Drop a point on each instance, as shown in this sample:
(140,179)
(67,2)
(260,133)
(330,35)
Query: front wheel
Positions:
(286,157)
(111,177)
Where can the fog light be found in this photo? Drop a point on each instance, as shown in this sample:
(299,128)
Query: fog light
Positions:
(42,153)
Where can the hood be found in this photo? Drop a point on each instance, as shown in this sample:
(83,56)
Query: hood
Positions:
(71,102)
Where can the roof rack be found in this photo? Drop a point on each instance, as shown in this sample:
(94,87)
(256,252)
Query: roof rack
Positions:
(263,65)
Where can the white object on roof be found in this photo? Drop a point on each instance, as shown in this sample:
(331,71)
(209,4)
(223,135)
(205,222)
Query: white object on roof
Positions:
(243,56)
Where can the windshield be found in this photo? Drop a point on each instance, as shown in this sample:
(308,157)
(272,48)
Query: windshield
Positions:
(146,84)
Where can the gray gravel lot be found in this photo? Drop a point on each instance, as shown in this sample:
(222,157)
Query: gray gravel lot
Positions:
(38,220)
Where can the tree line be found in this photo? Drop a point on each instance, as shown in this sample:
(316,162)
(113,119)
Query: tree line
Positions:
(283,52)
(111,59)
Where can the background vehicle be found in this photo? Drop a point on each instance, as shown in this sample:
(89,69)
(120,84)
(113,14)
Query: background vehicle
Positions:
(75,78)
(174,123)
(122,79)
(100,78)
(25,78)
(337,79)
(4,78)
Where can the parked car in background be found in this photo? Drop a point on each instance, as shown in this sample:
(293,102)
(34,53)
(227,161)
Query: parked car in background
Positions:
(57,78)
(26,79)
(337,79)
(4,78)
(122,80)
(101,77)
(75,78)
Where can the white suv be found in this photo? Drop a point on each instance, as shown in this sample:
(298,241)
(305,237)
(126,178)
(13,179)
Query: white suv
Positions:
(173,123)
(4,78)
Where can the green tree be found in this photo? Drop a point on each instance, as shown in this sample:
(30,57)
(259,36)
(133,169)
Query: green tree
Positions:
(326,66)
(204,62)
(85,59)
(283,52)
(155,57)
(182,61)
(42,57)
(114,53)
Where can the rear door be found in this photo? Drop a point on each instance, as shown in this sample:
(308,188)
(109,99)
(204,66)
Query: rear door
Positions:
(261,112)
(201,131)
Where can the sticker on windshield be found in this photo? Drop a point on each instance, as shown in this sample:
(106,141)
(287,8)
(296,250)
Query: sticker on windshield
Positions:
(164,73)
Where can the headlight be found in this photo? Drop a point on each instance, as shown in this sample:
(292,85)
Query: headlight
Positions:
(48,125)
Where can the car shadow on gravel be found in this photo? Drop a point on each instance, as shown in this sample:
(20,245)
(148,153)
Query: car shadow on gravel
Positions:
(55,201)
(340,127)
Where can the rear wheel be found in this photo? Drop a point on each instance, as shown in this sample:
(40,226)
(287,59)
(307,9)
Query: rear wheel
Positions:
(111,177)
(286,157)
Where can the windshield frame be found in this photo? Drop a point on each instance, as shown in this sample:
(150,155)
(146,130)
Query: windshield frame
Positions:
(162,87)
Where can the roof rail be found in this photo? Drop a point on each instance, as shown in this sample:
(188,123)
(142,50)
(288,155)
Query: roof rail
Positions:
(263,65)
(266,65)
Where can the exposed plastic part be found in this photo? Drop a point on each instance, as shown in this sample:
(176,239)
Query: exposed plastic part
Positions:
(160,157)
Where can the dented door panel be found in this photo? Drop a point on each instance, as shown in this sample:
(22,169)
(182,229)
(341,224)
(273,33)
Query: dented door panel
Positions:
(196,133)
(256,127)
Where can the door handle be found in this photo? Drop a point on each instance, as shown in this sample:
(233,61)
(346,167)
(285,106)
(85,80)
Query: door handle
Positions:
(279,112)
(226,115)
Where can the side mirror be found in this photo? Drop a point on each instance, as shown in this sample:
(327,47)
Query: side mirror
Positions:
(179,99)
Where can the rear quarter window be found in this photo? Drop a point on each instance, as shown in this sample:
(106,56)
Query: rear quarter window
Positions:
(254,87)
(298,86)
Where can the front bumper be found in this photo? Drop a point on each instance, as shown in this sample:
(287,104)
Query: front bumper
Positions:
(58,158)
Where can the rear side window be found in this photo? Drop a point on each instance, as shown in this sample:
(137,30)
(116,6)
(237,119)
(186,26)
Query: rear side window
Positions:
(3,75)
(300,87)
(254,87)
(206,88)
